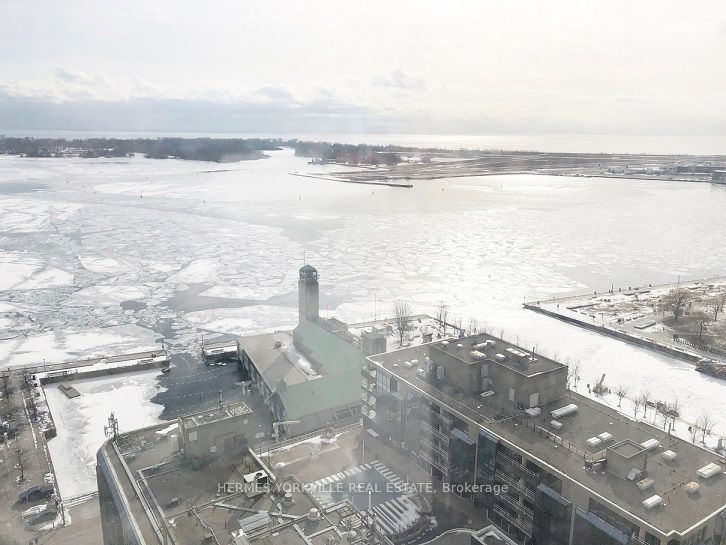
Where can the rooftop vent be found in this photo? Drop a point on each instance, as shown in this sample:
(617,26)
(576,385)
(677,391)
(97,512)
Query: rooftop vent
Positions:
(313,514)
(669,455)
(708,471)
(644,484)
(605,437)
(562,411)
(650,444)
(653,501)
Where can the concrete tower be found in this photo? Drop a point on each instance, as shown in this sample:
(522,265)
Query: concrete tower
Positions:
(308,294)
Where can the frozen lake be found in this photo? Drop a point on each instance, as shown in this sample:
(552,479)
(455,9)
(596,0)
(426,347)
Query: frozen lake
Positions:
(108,256)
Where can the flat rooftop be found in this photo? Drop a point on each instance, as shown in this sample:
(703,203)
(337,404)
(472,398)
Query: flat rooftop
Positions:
(565,450)
(168,496)
(221,413)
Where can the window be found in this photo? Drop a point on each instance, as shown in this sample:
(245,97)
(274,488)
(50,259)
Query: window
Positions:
(650,539)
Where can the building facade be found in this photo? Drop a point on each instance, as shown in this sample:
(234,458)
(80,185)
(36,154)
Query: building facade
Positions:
(497,424)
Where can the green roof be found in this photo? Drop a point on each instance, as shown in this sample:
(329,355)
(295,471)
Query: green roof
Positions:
(318,395)
(333,354)
(340,362)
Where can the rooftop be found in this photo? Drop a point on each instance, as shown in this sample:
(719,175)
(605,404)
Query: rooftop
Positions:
(567,449)
(178,503)
(276,358)
(213,415)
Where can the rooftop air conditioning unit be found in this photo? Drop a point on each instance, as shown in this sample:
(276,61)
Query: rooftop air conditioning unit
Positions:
(708,471)
(562,411)
(669,455)
(652,502)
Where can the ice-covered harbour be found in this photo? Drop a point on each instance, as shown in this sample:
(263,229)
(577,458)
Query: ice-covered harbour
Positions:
(98,254)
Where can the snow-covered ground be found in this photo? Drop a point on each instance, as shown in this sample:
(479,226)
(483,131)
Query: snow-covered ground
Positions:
(80,422)
(116,248)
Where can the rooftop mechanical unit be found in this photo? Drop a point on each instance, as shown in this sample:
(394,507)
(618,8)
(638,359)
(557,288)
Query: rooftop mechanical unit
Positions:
(708,471)
(653,501)
(563,411)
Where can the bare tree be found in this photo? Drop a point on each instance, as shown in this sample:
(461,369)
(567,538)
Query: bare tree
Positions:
(693,432)
(621,391)
(645,399)
(5,377)
(675,301)
(473,326)
(671,413)
(575,370)
(715,305)
(458,323)
(702,321)
(637,402)
(442,314)
(21,463)
(402,318)
(705,425)
(721,298)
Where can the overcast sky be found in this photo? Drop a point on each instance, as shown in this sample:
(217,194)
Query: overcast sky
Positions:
(394,66)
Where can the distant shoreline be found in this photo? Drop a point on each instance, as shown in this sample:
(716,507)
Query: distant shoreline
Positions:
(385,164)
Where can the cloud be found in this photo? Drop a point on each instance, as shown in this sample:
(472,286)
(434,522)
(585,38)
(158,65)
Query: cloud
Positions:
(71,75)
(399,79)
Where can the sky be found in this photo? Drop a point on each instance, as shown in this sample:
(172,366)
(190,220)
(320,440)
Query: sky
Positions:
(452,67)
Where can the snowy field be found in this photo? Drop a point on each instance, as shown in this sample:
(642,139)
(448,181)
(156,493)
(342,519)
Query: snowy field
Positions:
(80,422)
(111,255)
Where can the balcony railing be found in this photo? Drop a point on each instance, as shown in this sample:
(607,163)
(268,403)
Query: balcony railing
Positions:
(519,465)
(524,526)
(514,503)
(428,428)
(435,448)
(506,479)
(438,464)
(429,411)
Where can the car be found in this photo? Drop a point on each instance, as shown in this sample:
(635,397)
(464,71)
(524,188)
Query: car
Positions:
(36,493)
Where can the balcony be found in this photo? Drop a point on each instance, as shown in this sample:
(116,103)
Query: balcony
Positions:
(526,527)
(428,428)
(509,481)
(426,411)
(436,449)
(518,465)
(516,505)
(434,461)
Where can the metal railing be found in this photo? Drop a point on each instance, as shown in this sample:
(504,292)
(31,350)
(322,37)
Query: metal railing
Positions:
(435,462)
(428,410)
(271,446)
(514,503)
(522,525)
(428,428)
(519,465)
(436,448)
(506,479)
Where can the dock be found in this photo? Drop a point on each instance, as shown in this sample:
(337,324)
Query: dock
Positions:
(224,350)
(94,367)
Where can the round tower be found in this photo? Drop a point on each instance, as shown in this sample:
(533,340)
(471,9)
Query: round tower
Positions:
(308,294)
